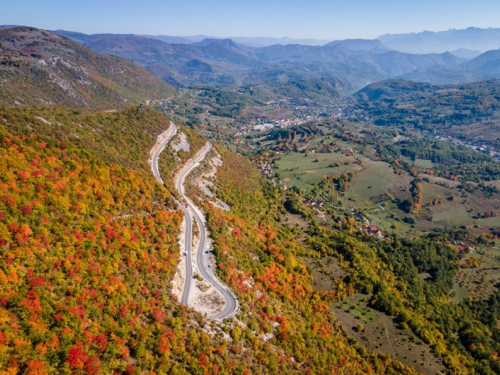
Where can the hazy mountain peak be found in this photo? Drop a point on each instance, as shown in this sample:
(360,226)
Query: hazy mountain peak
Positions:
(465,53)
(207,41)
(370,45)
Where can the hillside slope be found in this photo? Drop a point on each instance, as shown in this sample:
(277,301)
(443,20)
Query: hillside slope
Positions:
(88,251)
(89,247)
(41,68)
(469,112)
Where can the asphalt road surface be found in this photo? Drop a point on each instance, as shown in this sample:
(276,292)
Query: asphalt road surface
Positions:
(202,255)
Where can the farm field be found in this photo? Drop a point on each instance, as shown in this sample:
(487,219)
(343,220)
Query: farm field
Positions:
(478,282)
(443,200)
(489,222)
(375,179)
(424,163)
(296,169)
(457,215)
(388,218)
(368,192)
(419,162)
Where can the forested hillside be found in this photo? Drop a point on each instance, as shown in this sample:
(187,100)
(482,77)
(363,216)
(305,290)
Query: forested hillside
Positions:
(468,112)
(89,248)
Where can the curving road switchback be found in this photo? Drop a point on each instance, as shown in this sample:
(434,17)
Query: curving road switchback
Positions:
(203,258)
(172,130)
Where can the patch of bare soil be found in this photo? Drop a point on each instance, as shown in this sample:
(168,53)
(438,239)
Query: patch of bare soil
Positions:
(297,221)
(202,182)
(325,272)
(181,143)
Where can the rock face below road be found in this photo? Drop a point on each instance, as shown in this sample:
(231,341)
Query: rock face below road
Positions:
(207,181)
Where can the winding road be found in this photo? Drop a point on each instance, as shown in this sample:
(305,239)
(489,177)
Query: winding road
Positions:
(154,162)
(202,254)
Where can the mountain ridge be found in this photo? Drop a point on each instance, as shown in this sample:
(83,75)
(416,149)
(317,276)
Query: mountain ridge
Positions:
(226,62)
(41,68)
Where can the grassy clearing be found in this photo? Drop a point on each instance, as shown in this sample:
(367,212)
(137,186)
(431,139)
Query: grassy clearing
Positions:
(368,192)
(420,162)
(382,334)
(424,163)
(432,191)
(375,179)
(304,171)
(489,222)
(456,215)
(325,271)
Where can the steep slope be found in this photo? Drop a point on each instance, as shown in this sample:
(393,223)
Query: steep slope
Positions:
(488,62)
(210,61)
(259,260)
(118,137)
(251,41)
(392,88)
(41,68)
(396,63)
(319,88)
(80,239)
(88,250)
(484,67)
(466,53)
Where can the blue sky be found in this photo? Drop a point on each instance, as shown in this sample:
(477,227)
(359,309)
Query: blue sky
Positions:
(319,19)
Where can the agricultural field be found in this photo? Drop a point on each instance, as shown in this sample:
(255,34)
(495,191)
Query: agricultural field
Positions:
(368,192)
(381,333)
(224,123)
(388,218)
(296,169)
(420,162)
(376,178)
(479,276)
(444,201)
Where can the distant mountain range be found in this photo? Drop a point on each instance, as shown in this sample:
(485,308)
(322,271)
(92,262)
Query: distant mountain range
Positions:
(472,39)
(353,62)
(357,62)
(465,43)
(249,41)
(41,68)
